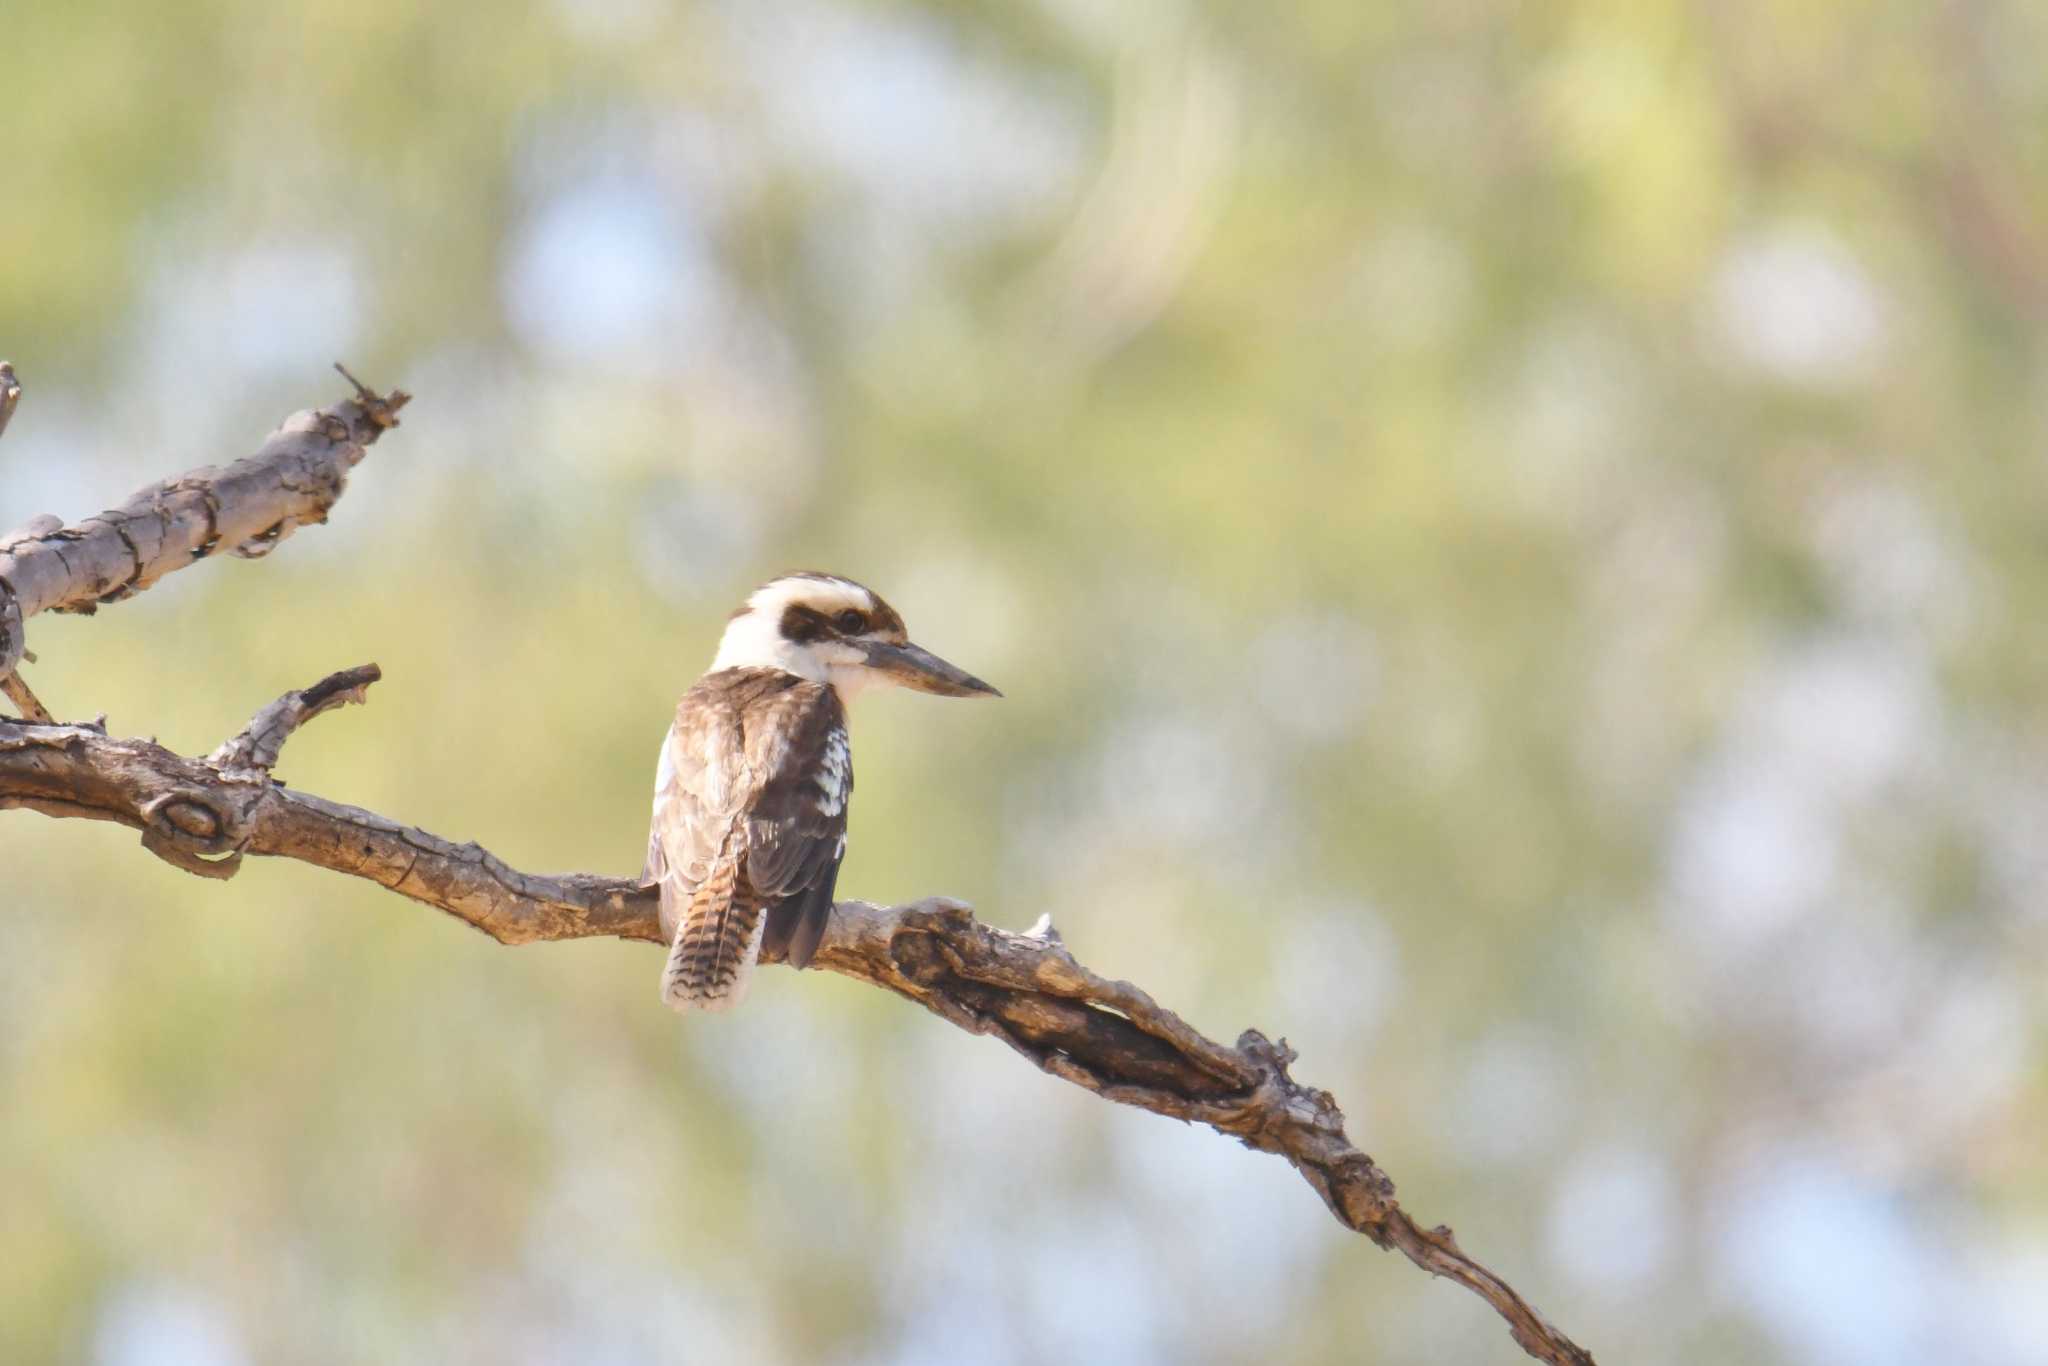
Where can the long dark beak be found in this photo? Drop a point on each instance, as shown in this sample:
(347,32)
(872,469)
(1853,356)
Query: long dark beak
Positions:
(916,667)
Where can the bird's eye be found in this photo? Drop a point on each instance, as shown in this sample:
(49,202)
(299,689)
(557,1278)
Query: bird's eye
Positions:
(849,622)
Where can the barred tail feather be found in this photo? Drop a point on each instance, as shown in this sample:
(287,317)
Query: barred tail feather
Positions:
(717,939)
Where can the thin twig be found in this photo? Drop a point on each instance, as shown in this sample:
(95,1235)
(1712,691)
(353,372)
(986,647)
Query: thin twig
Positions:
(17,690)
(382,408)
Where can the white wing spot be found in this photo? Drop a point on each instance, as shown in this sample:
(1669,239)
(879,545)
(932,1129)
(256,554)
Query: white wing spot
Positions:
(835,772)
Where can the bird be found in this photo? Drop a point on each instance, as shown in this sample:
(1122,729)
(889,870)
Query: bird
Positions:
(752,785)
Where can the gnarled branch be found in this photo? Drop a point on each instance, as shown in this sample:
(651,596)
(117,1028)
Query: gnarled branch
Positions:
(206,815)
(1025,989)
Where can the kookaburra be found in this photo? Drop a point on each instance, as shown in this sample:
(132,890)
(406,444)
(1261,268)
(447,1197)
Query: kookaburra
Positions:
(750,793)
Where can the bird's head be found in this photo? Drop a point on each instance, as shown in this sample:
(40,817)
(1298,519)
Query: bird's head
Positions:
(833,630)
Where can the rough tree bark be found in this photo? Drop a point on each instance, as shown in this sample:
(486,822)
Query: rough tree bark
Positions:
(206,815)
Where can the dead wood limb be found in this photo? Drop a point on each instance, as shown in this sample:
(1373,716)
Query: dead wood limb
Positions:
(215,815)
(247,507)
(1027,990)
(1111,1038)
(260,742)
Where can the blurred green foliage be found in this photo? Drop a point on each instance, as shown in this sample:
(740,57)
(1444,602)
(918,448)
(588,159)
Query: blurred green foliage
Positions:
(1512,539)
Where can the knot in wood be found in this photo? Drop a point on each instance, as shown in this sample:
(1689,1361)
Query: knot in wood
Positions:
(191,820)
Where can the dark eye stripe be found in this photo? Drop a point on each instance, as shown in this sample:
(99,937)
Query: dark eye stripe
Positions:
(802,625)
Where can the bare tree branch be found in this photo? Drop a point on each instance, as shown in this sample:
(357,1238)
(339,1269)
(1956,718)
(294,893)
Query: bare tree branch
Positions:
(1108,1036)
(260,742)
(248,507)
(1025,989)
(196,815)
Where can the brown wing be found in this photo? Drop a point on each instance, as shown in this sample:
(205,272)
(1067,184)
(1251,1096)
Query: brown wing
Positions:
(749,819)
(796,830)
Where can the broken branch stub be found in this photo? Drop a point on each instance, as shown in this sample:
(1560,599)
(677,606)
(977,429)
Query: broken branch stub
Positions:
(260,742)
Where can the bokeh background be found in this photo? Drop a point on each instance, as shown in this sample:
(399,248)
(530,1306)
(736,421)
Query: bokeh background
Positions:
(1515,538)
